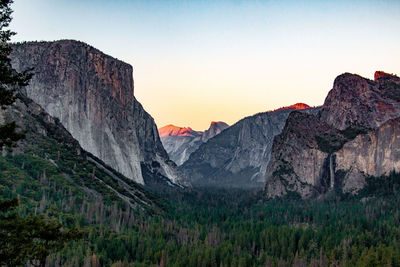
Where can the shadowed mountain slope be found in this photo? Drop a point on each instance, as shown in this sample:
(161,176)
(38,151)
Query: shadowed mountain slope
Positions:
(238,156)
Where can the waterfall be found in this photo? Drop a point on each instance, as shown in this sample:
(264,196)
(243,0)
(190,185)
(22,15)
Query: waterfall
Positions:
(331,171)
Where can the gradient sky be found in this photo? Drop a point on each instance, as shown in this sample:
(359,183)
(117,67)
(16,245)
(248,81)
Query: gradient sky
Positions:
(201,61)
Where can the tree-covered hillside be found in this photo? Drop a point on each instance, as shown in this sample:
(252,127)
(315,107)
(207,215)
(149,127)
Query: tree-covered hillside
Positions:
(212,228)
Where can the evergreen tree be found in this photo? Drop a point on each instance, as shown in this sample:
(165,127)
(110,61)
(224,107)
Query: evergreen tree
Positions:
(10,79)
(32,238)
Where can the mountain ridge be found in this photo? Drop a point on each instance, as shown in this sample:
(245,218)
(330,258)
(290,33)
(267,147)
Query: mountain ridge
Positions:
(93,96)
(172,130)
(359,139)
(238,156)
(181,142)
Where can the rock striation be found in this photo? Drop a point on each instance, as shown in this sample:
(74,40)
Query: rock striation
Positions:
(181,142)
(376,153)
(238,157)
(355,135)
(92,94)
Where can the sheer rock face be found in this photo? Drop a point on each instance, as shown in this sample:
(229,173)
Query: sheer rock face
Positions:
(356,100)
(179,148)
(92,94)
(376,153)
(298,158)
(238,156)
(353,136)
(181,142)
(43,131)
(216,127)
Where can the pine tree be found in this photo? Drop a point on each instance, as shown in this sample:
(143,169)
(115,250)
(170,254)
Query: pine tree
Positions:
(10,79)
(32,238)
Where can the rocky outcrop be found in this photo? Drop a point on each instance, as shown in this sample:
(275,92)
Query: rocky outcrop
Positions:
(92,94)
(295,106)
(301,157)
(237,157)
(216,127)
(353,136)
(181,142)
(381,74)
(376,153)
(356,100)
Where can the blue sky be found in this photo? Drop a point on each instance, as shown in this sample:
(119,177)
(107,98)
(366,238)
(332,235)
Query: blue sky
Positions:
(201,61)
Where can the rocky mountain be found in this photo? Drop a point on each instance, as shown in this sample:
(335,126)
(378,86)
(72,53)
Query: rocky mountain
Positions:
(376,153)
(355,99)
(238,156)
(49,157)
(300,157)
(354,136)
(216,127)
(92,94)
(172,130)
(181,142)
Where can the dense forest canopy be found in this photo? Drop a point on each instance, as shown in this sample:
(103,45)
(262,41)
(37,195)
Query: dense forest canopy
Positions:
(214,228)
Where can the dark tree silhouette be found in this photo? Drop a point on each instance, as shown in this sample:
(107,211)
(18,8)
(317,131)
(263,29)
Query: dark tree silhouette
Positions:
(32,238)
(10,79)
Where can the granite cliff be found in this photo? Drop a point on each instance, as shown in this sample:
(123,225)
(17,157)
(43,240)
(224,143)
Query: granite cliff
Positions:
(355,99)
(216,127)
(354,136)
(92,94)
(238,156)
(49,150)
(376,154)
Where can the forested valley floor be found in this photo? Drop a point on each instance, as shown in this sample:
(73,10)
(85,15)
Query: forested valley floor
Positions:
(212,227)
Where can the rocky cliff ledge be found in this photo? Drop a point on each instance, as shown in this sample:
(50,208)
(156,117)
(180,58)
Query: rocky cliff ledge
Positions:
(355,135)
(300,160)
(376,153)
(93,96)
(355,99)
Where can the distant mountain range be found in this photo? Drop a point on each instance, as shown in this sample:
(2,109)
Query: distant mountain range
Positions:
(181,142)
(238,157)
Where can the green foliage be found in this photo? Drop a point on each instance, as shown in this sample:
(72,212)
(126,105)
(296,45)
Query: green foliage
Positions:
(32,238)
(381,186)
(8,135)
(330,143)
(207,228)
(353,131)
(9,78)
